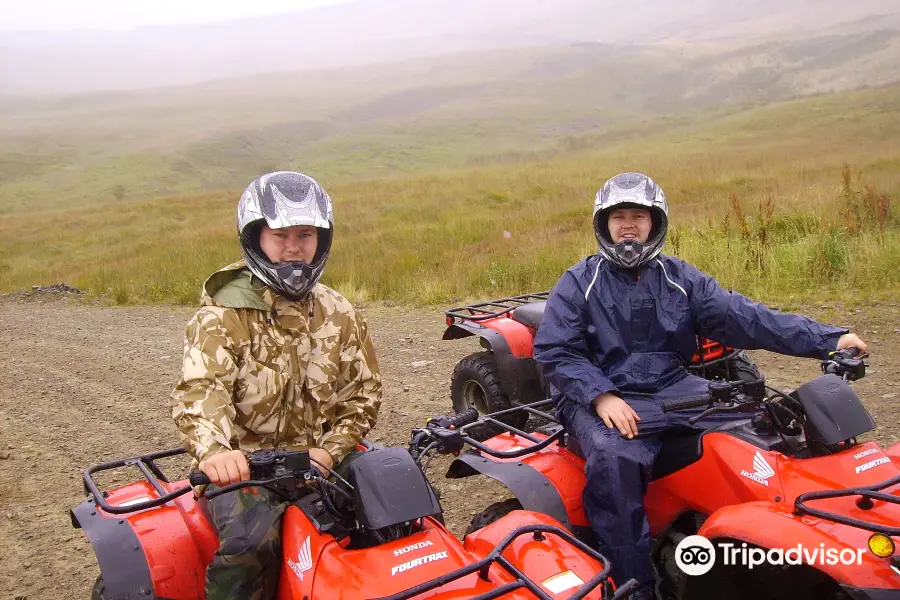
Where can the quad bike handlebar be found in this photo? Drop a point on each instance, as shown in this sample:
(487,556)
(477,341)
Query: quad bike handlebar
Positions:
(284,471)
(749,396)
(442,433)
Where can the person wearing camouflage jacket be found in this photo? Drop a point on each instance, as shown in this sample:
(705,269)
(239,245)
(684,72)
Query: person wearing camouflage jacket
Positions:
(272,359)
(263,371)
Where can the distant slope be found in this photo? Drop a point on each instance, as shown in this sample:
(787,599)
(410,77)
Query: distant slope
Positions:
(372,31)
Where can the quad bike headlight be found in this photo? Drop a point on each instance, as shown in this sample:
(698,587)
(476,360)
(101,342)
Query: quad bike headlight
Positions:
(881,545)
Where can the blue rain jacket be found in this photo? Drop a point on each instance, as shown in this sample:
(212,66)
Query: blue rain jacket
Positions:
(607,329)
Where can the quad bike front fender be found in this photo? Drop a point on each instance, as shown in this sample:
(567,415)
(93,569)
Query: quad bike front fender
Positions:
(510,344)
(123,566)
(534,491)
(772,525)
(154,554)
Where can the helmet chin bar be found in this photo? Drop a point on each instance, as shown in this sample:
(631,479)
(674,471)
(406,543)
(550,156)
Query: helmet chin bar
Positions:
(294,275)
(629,252)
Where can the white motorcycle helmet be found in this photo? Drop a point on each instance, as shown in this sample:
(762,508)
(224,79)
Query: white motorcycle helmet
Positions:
(283,199)
(630,190)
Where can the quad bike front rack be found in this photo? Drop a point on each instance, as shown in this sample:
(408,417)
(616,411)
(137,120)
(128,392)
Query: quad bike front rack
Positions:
(522,581)
(146,463)
(866,495)
(553,430)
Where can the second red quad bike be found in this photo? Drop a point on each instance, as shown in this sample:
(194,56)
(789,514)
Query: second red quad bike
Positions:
(505,373)
(792,475)
(379,535)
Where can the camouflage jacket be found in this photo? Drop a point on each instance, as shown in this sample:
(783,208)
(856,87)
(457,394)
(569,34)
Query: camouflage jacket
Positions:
(262,371)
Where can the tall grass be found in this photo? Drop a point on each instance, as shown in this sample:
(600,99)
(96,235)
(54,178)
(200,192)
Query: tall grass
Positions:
(848,247)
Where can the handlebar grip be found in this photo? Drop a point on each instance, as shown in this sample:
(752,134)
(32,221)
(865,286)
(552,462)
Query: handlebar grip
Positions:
(686,403)
(198,478)
(470,415)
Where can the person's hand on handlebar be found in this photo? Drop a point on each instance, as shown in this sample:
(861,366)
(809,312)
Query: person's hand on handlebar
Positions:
(851,340)
(226,467)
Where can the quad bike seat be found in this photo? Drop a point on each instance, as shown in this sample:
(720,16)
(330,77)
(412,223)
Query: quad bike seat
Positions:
(529,314)
(684,447)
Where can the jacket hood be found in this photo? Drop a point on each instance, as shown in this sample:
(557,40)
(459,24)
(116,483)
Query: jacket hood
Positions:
(235,286)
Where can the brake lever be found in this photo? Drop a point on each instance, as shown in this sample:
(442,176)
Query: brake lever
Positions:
(419,442)
(449,441)
(703,415)
(735,406)
(849,369)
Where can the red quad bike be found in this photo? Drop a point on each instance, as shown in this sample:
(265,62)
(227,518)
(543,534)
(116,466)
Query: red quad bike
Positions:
(505,374)
(791,474)
(378,535)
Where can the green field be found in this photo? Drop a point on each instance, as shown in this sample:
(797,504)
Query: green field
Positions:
(512,222)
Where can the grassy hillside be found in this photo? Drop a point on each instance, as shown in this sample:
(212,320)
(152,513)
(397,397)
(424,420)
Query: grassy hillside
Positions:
(352,124)
(803,228)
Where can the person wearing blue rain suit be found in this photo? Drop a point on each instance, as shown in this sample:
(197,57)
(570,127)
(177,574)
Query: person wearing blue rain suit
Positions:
(617,334)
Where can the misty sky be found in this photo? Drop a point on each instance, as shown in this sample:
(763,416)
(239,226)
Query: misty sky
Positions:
(55,15)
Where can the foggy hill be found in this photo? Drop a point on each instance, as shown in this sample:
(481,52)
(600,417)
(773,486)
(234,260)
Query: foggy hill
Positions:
(371,31)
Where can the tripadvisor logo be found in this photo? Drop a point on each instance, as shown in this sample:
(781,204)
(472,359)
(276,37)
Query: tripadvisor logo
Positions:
(696,555)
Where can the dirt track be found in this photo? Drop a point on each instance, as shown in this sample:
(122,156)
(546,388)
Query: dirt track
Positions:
(84,383)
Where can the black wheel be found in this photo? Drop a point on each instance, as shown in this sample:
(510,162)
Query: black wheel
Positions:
(737,368)
(741,368)
(476,383)
(99,590)
(494,512)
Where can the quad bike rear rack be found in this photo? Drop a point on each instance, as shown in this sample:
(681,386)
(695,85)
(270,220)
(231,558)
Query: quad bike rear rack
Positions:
(493,309)
(709,352)
(866,495)
(522,580)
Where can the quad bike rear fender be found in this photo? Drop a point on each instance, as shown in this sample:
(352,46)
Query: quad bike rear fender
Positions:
(155,554)
(510,343)
(771,525)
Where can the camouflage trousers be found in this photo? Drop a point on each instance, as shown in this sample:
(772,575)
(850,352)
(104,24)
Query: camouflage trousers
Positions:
(247,564)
